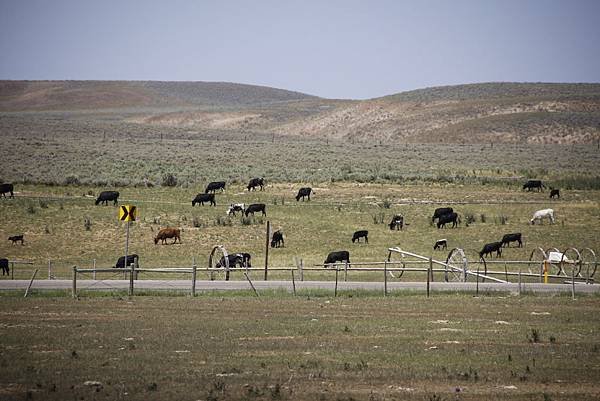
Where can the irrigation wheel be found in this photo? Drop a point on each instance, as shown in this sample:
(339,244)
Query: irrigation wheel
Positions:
(400,259)
(537,255)
(589,262)
(456,266)
(218,263)
(570,263)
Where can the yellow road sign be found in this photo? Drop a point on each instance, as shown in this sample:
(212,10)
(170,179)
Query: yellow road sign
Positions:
(127,213)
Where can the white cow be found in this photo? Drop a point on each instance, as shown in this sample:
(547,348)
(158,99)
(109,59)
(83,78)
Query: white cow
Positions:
(543,214)
(236,207)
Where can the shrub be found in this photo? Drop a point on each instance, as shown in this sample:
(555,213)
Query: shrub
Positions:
(72,180)
(87,223)
(169,180)
(43,204)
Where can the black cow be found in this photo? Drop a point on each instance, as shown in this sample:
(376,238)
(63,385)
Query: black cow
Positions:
(360,234)
(338,256)
(235,260)
(106,196)
(529,185)
(554,192)
(302,192)
(6,188)
(397,222)
(440,244)
(448,218)
(17,238)
(508,238)
(492,247)
(277,239)
(4,266)
(213,186)
(256,182)
(201,198)
(256,207)
(440,211)
(130,259)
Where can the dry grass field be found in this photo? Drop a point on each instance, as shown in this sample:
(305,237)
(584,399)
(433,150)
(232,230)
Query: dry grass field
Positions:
(279,347)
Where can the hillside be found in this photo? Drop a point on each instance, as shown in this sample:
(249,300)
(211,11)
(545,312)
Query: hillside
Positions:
(475,113)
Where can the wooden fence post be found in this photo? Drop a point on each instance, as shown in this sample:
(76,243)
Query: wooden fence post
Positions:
(301,270)
(267,249)
(94,265)
(194,267)
(49,270)
(131,275)
(346,271)
(429,276)
(385,278)
(573,283)
(293,282)
(519,280)
(74,289)
(336,281)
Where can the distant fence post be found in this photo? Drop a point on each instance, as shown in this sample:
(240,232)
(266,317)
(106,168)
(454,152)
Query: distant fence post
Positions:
(267,249)
(131,276)
(74,289)
(49,270)
(346,271)
(385,278)
(336,281)
(573,283)
(293,282)
(194,267)
(301,270)
(94,266)
(12,271)
(429,276)
(519,280)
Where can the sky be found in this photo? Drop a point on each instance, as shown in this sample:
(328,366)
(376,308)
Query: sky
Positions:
(335,49)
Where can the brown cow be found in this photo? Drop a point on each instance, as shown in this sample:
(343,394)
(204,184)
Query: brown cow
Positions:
(168,232)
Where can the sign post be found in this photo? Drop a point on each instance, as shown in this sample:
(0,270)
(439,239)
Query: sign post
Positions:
(128,214)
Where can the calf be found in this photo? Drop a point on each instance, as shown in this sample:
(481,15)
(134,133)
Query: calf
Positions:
(236,207)
(529,185)
(106,196)
(397,222)
(338,256)
(508,238)
(256,182)
(440,211)
(554,192)
(256,207)
(302,192)
(201,198)
(213,186)
(543,214)
(166,233)
(277,239)
(4,266)
(17,238)
(440,244)
(360,234)
(448,218)
(7,188)
(130,260)
(492,247)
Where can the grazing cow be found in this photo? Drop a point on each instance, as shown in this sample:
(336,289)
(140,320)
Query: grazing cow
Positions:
(440,244)
(397,222)
(554,192)
(16,238)
(236,207)
(360,234)
(543,214)
(508,238)
(235,260)
(440,211)
(338,256)
(529,185)
(277,239)
(302,192)
(213,186)
(448,218)
(492,247)
(130,260)
(6,188)
(168,232)
(256,207)
(256,182)
(4,266)
(106,196)
(201,198)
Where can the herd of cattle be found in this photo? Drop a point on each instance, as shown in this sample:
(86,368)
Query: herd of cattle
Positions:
(444,215)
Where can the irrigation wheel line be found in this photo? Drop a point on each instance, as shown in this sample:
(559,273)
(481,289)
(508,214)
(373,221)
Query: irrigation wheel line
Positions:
(397,274)
(456,266)
(574,261)
(537,255)
(588,258)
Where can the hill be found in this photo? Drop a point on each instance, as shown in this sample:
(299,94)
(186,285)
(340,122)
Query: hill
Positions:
(474,113)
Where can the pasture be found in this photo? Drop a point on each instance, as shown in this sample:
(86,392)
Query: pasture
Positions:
(309,347)
(62,224)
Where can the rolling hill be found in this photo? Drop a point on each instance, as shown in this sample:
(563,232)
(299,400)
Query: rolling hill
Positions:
(474,113)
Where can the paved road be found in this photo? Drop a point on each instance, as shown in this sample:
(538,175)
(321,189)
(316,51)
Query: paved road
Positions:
(201,285)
